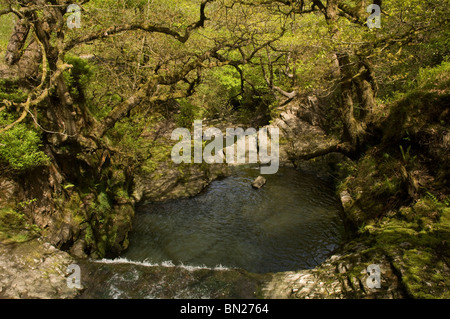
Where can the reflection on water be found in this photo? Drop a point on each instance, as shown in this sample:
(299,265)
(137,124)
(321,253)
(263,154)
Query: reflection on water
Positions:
(291,223)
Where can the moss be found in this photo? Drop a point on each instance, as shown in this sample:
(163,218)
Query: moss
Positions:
(9,90)
(417,253)
(411,228)
(421,277)
(112,236)
(159,153)
(101,249)
(14,227)
(108,223)
(121,194)
(6,28)
(20,147)
(89,236)
(74,207)
(103,203)
(118,177)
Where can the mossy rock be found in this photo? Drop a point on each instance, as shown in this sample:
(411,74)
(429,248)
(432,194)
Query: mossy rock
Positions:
(15,227)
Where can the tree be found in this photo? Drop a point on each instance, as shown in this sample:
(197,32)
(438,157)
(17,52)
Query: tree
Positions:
(337,30)
(165,64)
(73,133)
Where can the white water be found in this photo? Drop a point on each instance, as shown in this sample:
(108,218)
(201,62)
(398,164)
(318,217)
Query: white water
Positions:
(168,263)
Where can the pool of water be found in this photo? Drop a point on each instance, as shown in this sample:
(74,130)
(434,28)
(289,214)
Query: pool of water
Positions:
(291,223)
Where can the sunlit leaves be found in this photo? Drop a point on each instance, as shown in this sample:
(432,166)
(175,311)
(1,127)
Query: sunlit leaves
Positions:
(19,147)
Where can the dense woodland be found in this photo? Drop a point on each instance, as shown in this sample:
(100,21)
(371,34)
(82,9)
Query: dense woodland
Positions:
(81,106)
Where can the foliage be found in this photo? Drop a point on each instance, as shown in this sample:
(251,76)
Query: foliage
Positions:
(14,227)
(238,63)
(9,90)
(78,77)
(20,147)
(437,78)
(188,114)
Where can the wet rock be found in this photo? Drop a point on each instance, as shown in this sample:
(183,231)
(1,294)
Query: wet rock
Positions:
(173,182)
(346,199)
(259,182)
(78,249)
(34,270)
(341,276)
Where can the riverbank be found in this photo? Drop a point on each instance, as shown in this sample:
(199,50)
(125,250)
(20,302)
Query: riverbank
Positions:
(395,199)
(34,269)
(413,259)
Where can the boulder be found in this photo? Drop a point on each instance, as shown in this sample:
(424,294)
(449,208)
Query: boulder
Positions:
(170,182)
(35,270)
(259,182)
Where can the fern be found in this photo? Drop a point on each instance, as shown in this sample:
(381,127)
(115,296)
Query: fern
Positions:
(406,156)
(436,201)
(433,198)
(446,201)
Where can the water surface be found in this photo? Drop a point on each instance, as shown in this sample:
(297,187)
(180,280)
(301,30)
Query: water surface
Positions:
(291,223)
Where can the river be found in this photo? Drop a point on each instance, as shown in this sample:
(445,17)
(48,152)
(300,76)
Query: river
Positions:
(230,231)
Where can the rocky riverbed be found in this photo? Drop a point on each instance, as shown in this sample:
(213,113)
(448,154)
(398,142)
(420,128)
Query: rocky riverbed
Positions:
(36,269)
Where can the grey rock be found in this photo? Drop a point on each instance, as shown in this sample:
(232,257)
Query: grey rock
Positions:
(34,270)
(336,279)
(259,182)
(173,182)
(78,248)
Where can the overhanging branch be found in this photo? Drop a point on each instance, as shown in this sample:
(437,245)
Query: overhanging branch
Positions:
(144,26)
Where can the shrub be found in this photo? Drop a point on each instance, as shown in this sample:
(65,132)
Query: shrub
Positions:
(19,147)
(436,77)
(187,115)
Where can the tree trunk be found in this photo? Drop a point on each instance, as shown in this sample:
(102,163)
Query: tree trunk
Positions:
(353,131)
(17,42)
(366,89)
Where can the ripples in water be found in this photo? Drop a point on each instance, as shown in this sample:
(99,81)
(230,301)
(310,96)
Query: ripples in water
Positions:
(291,223)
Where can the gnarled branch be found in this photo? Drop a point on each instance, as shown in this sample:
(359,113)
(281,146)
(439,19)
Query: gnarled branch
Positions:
(144,26)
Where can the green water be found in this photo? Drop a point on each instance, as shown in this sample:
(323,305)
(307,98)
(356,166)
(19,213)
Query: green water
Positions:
(291,223)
